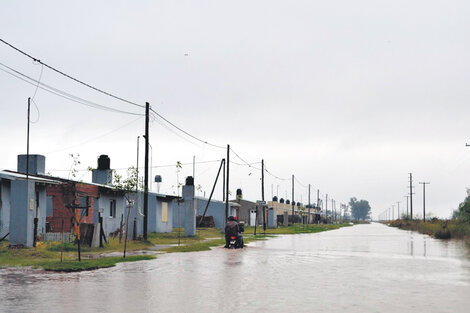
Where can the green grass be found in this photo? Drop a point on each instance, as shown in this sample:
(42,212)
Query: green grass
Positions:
(90,264)
(295,229)
(45,256)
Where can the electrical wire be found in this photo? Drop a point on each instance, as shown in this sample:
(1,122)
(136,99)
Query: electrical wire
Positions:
(61,93)
(70,77)
(300,183)
(185,132)
(142,167)
(95,138)
(275,176)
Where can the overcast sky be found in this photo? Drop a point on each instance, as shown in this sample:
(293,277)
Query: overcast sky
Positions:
(349,96)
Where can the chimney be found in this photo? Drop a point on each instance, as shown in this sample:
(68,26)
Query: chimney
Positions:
(37,164)
(103,174)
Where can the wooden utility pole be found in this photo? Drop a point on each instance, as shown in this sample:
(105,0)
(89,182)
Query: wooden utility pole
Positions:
(407,216)
(262,195)
(27,141)
(411,195)
(292,202)
(424,199)
(146,170)
(318,205)
(309,205)
(227,185)
(326,208)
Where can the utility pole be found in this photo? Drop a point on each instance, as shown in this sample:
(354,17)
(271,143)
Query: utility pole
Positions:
(393,212)
(292,202)
(262,195)
(326,208)
(318,205)
(407,206)
(309,205)
(398,203)
(332,210)
(27,142)
(227,184)
(146,170)
(424,199)
(411,195)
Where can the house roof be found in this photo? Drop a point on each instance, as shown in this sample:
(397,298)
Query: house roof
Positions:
(10,175)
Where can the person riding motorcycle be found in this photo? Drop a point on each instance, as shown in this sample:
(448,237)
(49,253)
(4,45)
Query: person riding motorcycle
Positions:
(232,228)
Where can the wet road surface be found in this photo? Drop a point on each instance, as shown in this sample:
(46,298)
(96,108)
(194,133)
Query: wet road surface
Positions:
(364,268)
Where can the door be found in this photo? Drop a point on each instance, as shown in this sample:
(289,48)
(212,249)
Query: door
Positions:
(252,217)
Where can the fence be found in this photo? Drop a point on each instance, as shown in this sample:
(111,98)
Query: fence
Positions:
(68,237)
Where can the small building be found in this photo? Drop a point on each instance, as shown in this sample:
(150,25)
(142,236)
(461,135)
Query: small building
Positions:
(23,204)
(215,208)
(51,200)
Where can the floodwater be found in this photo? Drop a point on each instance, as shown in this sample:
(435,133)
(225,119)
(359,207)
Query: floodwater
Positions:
(364,268)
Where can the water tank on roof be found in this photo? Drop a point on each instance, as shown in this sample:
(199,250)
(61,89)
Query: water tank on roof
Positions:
(275,199)
(104,162)
(189,181)
(281,200)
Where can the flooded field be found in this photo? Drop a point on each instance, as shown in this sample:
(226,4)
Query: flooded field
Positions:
(365,268)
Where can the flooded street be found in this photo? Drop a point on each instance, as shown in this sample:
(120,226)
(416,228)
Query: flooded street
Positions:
(365,268)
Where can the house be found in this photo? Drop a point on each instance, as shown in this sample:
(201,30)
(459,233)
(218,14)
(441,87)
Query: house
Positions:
(248,211)
(190,206)
(23,200)
(52,200)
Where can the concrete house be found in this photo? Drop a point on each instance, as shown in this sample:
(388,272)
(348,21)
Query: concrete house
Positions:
(23,200)
(112,205)
(49,199)
(191,207)
(248,211)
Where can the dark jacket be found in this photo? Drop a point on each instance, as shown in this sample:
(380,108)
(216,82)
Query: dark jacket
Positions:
(232,228)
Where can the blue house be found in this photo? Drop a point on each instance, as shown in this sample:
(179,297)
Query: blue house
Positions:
(23,201)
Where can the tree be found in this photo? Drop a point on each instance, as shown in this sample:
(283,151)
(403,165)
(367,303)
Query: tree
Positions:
(463,212)
(129,186)
(360,210)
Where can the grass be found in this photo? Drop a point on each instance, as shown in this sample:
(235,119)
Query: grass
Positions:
(295,229)
(90,264)
(47,254)
(441,229)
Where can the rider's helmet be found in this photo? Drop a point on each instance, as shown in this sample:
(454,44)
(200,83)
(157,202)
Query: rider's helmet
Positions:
(231,218)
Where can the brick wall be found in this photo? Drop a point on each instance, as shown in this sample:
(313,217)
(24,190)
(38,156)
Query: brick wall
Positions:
(68,194)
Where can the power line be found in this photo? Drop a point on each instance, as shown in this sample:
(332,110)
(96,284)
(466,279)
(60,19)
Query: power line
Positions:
(61,93)
(300,183)
(185,132)
(95,138)
(275,176)
(70,77)
(140,167)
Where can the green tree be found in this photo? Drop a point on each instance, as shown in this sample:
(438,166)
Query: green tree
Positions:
(360,210)
(463,212)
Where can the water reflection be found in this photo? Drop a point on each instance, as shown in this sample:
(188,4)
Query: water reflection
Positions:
(365,268)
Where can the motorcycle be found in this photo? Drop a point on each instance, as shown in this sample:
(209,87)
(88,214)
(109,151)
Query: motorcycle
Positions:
(234,242)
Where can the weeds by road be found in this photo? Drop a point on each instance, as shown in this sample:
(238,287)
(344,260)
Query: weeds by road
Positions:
(441,229)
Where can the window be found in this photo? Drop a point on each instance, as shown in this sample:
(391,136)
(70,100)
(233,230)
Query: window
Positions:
(84,204)
(112,208)
(164,212)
